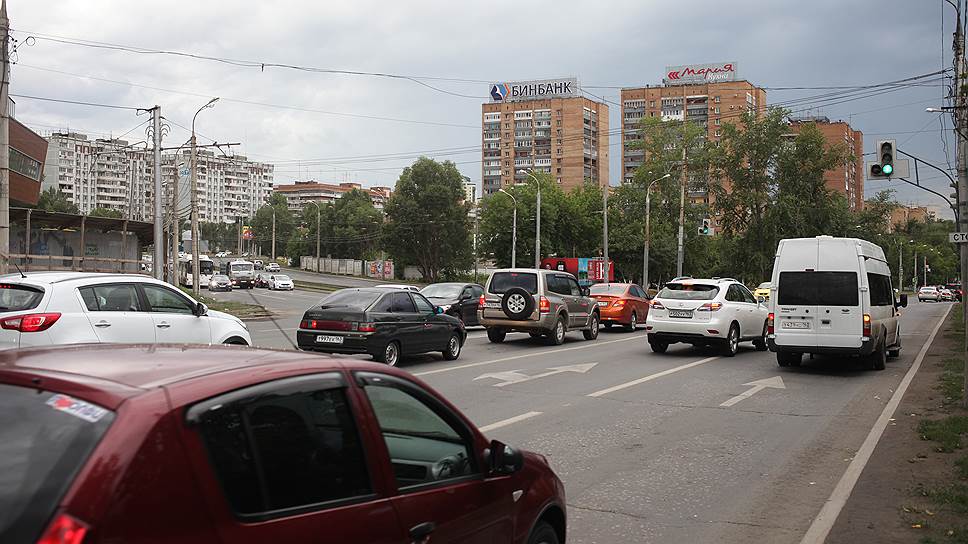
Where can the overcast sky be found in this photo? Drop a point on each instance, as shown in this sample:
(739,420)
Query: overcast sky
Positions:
(773,43)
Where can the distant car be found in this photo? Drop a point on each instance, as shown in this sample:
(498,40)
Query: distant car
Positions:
(51,308)
(213,445)
(706,312)
(273,267)
(620,304)
(220,282)
(956,289)
(220,254)
(262,280)
(929,293)
(762,292)
(457,299)
(386,323)
(543,303)
(259,265)
(946,294)
(400,286)
(280,282)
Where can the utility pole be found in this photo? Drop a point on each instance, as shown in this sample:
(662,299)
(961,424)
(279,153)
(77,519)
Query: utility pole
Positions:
(159,256)
(194,167)
(175,225)
(240,238)
(605,232)
(680,251)
(537,227)
(961,124)
(648,233)
(273,234)
(314,203)
(5,142)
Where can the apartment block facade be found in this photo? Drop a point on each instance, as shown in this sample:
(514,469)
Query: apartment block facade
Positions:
(107,173)
(707,104)
(846,178)
(301,193)
(542,127)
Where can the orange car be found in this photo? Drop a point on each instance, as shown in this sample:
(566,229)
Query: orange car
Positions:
(620,303)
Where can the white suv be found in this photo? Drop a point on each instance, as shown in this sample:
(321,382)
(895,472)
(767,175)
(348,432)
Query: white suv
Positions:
(706,312)
(46,308)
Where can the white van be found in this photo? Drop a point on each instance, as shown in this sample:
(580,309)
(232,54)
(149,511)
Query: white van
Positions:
(832,296)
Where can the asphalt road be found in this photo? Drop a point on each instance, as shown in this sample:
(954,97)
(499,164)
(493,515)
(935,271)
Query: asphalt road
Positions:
(329,279)
(644,443)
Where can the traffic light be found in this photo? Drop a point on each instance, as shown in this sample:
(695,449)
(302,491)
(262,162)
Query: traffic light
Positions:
(883,167)
(706,228)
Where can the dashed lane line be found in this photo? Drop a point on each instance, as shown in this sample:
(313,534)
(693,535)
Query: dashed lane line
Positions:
(650,377)
(509,421)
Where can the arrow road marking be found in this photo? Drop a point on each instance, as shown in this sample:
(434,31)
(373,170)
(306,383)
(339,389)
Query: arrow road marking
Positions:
(775,382)
(515,376)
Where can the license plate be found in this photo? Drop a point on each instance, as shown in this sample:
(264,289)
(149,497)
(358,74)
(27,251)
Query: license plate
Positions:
(795,325)
(602,303)
(492,304)
(325,339)
(680,313)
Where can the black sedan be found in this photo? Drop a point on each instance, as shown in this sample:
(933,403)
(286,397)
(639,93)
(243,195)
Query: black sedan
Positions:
(383,322)
(457,299)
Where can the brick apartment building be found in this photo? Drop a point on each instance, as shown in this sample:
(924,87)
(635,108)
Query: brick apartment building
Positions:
(300,194)
(707,95)
(847,178)
(902,214)
(545,126)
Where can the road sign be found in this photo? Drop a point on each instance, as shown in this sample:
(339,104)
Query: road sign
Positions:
(958,237)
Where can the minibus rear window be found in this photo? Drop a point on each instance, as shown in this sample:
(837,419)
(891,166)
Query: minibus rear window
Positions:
(817,289)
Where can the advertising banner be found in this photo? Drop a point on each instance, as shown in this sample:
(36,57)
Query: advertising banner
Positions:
(514,91)
(691,74)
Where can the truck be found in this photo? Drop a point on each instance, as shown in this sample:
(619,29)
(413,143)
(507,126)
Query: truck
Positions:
(241,273)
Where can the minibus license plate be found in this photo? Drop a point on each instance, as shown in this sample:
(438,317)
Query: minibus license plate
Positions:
(796,325)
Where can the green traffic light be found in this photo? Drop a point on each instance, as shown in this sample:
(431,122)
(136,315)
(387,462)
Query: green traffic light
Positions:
(887,169)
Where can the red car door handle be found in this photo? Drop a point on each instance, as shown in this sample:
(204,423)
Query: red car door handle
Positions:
(421,533)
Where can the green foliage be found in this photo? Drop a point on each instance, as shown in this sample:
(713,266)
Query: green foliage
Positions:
(426,220)
(106,212)
(262,224)
(946,431)
(53,200)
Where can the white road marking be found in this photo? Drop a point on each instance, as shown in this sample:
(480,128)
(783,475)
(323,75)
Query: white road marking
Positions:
(276,330)
(534,354)
(515,376)
(824,522)
(775,382)
(650,377)
(268,296)
(508,421)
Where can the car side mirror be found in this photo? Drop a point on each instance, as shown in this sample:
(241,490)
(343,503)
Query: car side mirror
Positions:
(200,309)
(438,310)
(585,291)
(503,459)
(904,299)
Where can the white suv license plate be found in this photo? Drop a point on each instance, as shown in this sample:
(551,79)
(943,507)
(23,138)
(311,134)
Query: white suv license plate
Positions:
(325,339)
(681,313)
(795,325)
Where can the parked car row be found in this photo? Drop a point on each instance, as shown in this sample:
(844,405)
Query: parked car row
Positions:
(938,294)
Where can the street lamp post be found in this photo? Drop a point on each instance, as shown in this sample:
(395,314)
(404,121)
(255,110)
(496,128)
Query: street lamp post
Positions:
(314,203)
(537,219)
(645,246)
(273,234)
(195,200)
(514,229)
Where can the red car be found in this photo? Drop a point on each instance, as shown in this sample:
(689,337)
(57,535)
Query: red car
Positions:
(121,443)
(620,304)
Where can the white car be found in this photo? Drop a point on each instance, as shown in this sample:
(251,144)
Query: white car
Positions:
(946,294)
(706,312)
(280,282)
(929,293)
(401,286)
(49,308)
(272,267)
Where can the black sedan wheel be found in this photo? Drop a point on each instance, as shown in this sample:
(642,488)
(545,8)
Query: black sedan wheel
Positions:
(453,348)
(391,354)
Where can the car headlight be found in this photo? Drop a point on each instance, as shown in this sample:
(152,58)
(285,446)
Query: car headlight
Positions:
(445,307)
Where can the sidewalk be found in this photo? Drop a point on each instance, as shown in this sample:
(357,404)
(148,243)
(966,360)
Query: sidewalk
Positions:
(915,487)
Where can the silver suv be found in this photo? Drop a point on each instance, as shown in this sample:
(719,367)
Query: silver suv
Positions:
(545,303)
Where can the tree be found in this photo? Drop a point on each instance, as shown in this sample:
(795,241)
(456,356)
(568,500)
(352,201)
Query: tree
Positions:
(353,226)
(427,223)
(106,212)
(262,224)
(53,200)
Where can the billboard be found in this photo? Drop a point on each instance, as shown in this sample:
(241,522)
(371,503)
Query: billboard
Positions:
(700,73)
(247,233)
(529,90)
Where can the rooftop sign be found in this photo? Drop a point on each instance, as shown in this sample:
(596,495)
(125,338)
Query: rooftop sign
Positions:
(700,73)
(531,90)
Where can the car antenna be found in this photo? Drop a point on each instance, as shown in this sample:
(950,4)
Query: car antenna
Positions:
(22,275)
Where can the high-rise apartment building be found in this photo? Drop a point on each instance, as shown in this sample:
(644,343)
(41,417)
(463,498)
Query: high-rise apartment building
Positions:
(846,178)
(708,95)
(544,126)
(107,173)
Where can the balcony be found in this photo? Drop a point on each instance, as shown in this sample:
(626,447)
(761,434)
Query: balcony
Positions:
(542,162)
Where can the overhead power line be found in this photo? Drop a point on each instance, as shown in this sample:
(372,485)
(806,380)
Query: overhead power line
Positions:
(76,102)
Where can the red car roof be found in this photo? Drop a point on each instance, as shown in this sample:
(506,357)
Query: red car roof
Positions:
(109,373)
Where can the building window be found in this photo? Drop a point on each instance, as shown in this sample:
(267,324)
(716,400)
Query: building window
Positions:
(557,171)
(651,105)
(716,110)
(719,133)
(24,165)
(717,100)
(717,122)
